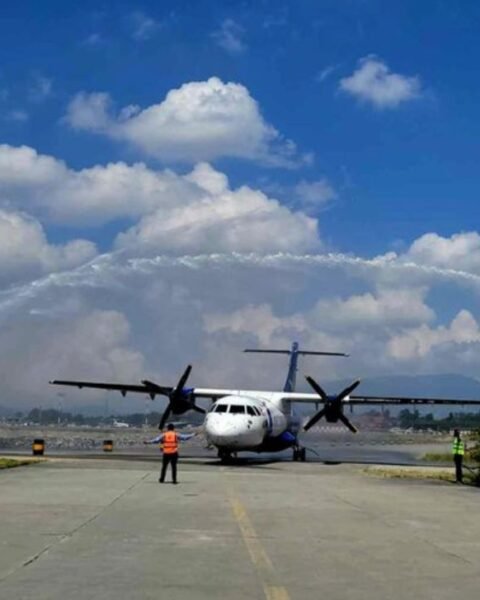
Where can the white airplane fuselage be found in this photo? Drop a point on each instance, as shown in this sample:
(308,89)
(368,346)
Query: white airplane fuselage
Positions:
(255,421)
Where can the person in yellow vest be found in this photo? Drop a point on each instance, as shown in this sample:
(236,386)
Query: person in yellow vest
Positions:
(458,451)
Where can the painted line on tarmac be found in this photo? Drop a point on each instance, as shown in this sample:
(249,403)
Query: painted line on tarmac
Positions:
(258,555)
(275,592)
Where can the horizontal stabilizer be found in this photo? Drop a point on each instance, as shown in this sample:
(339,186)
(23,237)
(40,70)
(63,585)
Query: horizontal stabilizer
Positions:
(302,352)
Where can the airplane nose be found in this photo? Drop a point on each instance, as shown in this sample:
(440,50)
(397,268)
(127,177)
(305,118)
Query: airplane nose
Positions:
(235,432)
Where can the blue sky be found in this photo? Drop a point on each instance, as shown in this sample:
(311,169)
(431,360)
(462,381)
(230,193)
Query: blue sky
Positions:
(155,159)
(405,171)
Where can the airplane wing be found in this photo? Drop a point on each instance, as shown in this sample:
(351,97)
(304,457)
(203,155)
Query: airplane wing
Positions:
(365,400)
(146,387)
(123,388)
(405,400)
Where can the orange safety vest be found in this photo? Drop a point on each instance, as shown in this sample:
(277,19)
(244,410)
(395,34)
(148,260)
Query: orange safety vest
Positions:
(170,442)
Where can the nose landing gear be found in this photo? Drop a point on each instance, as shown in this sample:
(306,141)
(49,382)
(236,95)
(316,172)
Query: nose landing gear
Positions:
(299,454)
(226,456)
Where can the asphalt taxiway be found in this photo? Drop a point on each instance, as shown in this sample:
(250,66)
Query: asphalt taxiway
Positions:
(82,528)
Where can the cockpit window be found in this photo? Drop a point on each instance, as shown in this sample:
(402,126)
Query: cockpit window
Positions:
(250,411)
(257,411)
(221,408)
(237,409)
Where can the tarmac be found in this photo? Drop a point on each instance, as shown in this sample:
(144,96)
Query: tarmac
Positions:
(83,528)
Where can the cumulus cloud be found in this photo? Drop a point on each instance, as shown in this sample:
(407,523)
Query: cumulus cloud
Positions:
(25,251)
(223,220)
(229,37)
(460,251)
(385,307)
(92,343)
(373,82)
(196,213)
(201,120)
(259,321)
(417,343)
(206,309)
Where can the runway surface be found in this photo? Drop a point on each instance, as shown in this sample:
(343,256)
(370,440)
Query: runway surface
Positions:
(82,528)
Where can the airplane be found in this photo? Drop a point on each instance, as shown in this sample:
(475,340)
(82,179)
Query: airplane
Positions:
(261,421)
(120,424)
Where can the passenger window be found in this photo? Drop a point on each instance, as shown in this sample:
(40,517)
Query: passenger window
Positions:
(250,411)
(221,408)
(237,409)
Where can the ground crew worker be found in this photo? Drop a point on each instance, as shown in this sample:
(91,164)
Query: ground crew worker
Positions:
(170,453)
(169,445)
(458,451)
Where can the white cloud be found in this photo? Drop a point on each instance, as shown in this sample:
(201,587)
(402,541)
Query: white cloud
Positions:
(460,251)
(90,344)
(223,220)
(229,37)
(206,309)
(25,251)
(89,111)
(386,308)
(374,82)
(195,213)
(202,120)
(417,343)
(314,195)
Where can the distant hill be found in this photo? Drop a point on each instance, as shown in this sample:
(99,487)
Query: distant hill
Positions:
(5,411)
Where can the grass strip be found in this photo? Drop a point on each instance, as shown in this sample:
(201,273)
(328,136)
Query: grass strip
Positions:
(10,463)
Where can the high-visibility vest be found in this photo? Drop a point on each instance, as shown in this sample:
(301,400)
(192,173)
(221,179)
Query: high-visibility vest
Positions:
(458,447)
(170,442)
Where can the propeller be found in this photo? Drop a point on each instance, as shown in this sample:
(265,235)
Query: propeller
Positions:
(333,406)
(178,399)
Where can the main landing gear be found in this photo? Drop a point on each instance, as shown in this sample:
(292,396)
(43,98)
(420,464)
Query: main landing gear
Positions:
(299,454)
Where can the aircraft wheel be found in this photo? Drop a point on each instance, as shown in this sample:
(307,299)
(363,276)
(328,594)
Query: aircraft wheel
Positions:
(224,456)
(296,455)
(303,454)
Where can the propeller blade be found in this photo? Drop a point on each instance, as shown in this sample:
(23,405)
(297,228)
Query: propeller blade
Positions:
(347,423)
(314,419)
(183,379)
(348,390)
(165,416)
(199,409)
(317,388)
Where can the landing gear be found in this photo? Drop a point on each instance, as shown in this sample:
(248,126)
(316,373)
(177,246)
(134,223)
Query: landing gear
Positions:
(300,454)
(226,456)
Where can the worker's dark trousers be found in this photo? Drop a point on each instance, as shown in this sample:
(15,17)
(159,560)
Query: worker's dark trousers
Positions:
(458,459)
(172,460)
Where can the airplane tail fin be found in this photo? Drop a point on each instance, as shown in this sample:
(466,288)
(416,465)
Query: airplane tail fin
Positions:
(294,353)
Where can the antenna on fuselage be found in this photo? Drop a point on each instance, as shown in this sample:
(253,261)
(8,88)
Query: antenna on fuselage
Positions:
(294,353)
